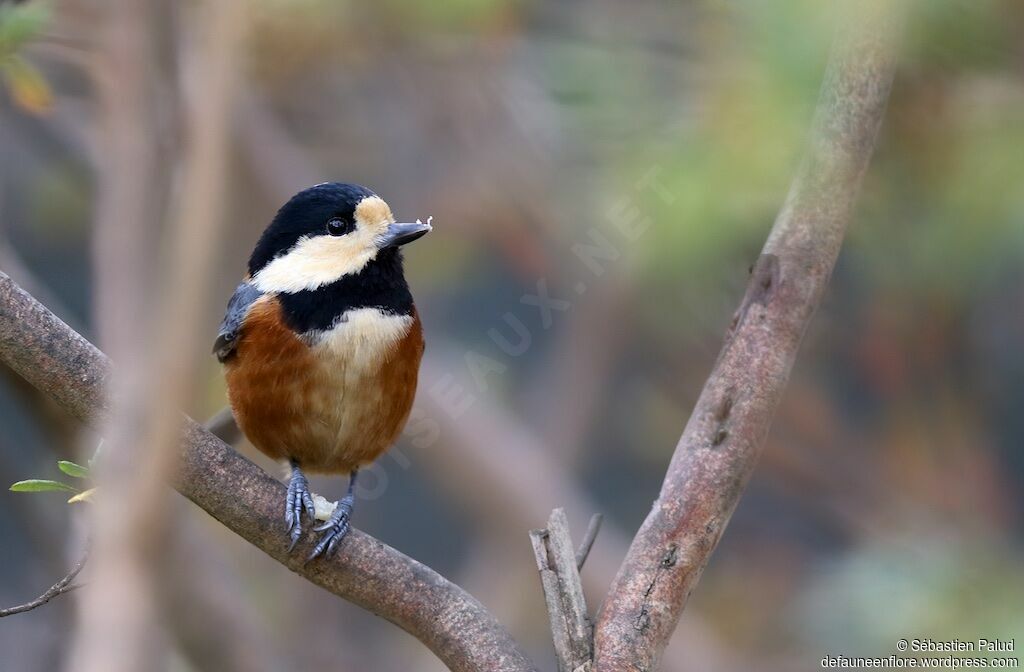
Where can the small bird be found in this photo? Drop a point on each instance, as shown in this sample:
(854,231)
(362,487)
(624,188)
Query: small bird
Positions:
(321,343)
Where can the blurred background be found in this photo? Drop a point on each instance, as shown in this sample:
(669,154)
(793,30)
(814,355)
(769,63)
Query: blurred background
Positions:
(627,161)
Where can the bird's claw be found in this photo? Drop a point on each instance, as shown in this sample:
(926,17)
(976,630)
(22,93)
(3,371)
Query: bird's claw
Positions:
(298,499)
(334,530)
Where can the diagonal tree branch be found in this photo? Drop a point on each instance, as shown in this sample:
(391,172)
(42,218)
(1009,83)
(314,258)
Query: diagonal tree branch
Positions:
(717,451)
(57,589)
(365,571)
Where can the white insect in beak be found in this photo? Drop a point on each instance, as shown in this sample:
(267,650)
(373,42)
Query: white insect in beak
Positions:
(398,234)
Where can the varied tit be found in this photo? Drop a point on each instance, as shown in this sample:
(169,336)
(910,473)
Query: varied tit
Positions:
(321,343)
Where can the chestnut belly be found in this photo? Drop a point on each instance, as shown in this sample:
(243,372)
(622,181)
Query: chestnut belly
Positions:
(332,401)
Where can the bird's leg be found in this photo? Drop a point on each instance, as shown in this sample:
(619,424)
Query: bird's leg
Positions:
(337,525)
(297,500)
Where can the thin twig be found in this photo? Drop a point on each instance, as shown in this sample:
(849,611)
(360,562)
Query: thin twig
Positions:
(588,539)
(718,449)
(59,588)
(571,629)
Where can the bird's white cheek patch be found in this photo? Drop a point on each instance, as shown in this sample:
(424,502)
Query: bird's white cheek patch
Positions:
(315,262)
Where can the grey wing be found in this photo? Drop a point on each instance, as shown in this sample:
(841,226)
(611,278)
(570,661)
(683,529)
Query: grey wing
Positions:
(238,307)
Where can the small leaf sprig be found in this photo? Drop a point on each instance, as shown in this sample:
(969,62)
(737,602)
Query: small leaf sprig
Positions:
(69,468)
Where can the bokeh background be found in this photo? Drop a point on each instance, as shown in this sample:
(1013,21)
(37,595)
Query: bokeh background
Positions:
(888,502)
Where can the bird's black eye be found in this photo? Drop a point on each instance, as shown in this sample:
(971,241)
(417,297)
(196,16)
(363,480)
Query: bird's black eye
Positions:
(337,226)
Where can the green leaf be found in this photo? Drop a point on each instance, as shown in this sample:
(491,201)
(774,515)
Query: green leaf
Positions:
(41,485)
(72,469)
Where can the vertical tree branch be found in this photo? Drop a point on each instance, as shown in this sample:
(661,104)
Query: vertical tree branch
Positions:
(571,628)
(721,442)
(152,289)
(137,105)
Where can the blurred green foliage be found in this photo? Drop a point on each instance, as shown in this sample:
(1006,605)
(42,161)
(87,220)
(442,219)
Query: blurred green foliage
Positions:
(943,204)
(19,24)
(938,589)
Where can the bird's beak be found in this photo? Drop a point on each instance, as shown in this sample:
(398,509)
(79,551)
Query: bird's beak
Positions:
(401,233)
